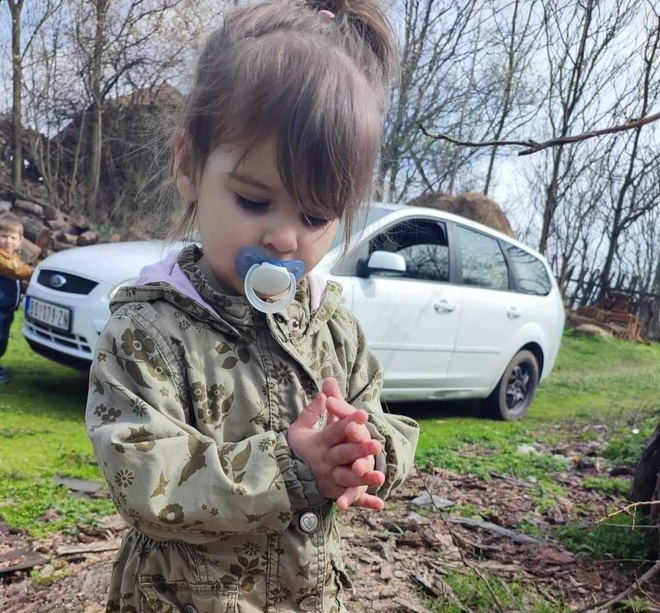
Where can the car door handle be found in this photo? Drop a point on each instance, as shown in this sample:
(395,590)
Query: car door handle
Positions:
(444,306)
(513,313)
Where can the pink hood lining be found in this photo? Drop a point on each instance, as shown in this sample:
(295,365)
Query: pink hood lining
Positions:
(168,271)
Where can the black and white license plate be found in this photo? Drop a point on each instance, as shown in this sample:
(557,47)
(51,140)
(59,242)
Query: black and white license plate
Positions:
(51,314)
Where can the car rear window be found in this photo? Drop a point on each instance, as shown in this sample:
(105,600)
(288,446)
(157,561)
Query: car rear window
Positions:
(482,260)
(531,274)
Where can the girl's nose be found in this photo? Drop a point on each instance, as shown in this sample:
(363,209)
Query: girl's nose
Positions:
(282,238)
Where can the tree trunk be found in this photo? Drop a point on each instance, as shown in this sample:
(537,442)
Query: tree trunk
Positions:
(652,324)
(550,199)
(511,68)
(646,475)
(576,89)
(97,109)
(468,91)
(16,6)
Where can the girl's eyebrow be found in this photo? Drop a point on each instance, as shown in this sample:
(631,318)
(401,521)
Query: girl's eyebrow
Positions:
(249,180)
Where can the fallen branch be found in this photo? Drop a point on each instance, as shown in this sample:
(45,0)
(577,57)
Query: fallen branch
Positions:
(531,146)
(516,537)
(410,606)
(626,509)
(93,548)
(29,559)
(604,604)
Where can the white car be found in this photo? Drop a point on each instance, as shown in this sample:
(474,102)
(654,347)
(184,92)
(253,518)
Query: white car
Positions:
(452,309)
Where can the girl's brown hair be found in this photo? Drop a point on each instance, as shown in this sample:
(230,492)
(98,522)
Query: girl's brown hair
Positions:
(317,86)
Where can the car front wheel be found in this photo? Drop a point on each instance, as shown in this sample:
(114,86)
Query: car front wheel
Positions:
(513,395)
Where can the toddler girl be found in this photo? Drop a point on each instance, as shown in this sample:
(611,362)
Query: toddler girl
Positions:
(233,400)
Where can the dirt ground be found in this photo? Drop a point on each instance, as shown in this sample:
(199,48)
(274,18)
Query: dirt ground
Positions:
(398,559)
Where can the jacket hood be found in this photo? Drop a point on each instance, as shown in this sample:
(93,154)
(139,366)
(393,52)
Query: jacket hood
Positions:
(179,280)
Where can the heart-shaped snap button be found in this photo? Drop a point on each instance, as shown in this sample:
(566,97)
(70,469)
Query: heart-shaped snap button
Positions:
(309,522)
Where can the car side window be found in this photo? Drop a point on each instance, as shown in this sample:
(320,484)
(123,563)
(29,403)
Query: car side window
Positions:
(531,274)
(483,261)
(423,244)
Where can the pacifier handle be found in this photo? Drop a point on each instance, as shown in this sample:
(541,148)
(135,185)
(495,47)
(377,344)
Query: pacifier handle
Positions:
(262,305)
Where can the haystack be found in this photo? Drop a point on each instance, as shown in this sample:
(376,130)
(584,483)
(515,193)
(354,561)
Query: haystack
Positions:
(476,207)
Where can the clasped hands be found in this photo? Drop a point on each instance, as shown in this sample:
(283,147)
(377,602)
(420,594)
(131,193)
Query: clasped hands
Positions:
(341,455)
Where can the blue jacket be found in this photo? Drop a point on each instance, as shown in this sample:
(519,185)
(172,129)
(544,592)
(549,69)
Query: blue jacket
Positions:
(10,294)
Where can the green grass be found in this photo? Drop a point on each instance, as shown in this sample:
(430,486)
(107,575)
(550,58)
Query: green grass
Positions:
(42,431)
(42,434)
(615,539)
(499,458)
(626,446)
(598,377)
(39,580)
(469,591)
(609,485)
(592,379)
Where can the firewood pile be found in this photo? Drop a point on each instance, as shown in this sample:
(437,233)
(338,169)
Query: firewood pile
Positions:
(613,315)
(47,229)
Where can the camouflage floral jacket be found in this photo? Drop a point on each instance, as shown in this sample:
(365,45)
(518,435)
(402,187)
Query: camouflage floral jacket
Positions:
(191,394)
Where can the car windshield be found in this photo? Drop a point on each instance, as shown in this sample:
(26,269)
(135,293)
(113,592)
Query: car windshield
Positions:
(360,223)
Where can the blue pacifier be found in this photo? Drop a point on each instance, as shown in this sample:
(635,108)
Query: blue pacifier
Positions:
(269,277)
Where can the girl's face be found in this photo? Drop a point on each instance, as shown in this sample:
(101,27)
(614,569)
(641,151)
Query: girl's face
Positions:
(243,203)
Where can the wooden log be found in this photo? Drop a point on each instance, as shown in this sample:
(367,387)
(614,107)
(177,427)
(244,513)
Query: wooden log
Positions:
(29,207)
(60,246)
(57,224)
(45,239)
(29,252)
(88,238)
(32,227)
(65,237)
(81,223)
(52,213)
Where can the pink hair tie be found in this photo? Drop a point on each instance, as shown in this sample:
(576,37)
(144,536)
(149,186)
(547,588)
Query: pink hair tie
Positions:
(328,14)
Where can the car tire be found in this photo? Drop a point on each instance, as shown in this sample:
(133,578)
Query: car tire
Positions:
(513,395)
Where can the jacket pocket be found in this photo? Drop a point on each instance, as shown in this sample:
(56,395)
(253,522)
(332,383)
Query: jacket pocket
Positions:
(161,596)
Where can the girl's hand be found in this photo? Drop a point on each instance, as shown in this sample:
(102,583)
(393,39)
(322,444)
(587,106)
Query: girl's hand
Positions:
(326,449)
(349,476)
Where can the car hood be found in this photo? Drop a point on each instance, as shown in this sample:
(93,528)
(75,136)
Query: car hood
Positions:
(110,263)
(114,263)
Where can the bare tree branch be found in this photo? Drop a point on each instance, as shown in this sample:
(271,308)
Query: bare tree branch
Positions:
(531,146)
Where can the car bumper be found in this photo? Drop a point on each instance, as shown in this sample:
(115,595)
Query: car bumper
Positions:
(57,355)
(89,314)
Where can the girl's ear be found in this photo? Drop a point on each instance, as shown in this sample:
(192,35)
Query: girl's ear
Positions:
(184,179)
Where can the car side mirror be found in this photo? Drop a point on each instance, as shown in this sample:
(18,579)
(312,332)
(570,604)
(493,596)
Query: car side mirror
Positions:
(385,261)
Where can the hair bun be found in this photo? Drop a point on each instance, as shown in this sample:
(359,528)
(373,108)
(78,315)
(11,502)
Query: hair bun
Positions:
(363,22)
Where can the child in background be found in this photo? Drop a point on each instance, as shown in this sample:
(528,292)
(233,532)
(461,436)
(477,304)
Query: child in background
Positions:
(12,271)
(233,400)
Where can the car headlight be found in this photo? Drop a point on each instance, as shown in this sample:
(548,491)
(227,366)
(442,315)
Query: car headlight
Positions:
(116,288)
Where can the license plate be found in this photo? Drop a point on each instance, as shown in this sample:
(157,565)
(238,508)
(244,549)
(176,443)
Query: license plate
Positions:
(47,313)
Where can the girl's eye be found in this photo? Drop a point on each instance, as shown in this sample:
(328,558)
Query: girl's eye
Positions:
(251,206)
(315,222)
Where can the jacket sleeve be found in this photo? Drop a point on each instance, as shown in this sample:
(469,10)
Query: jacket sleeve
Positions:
(23,271)
(397,433)
(15,269)
(166,478)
